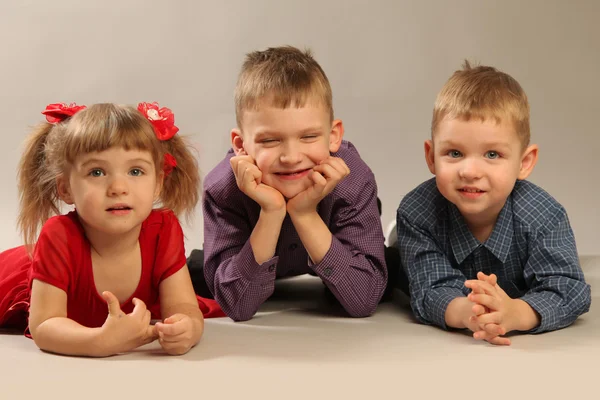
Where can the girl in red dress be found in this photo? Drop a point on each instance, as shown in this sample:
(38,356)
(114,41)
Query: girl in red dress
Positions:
(97,276)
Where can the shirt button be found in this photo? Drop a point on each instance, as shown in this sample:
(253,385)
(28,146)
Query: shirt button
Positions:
(271,268)
(327,272)
(293,246)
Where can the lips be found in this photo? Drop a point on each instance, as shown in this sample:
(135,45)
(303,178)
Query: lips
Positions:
(119,207)
(471,190)
(292,173)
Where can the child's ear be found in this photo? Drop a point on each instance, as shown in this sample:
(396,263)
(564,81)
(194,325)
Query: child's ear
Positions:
(528,161)
(336,135)
(237,142)
(64,190)
(429,156)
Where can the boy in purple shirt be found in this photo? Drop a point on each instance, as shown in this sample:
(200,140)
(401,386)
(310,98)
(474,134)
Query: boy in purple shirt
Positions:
(291,197)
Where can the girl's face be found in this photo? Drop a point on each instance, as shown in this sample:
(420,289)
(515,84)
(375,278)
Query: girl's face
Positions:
(113,190)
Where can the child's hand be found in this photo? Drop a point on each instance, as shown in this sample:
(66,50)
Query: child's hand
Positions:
(176,334)
(498,306)
(248,178)
(325,177)
(124,332)
(491,333)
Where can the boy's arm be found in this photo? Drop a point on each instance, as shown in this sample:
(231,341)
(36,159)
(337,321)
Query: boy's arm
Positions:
(349,258)
(558,292)
(239,278)
(437,291)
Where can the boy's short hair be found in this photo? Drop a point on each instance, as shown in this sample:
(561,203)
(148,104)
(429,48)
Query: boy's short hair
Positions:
(286,76)
(483,92)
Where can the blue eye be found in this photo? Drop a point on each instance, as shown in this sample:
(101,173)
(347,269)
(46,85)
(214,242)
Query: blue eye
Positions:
(136,172)
(96,172)
(492,155)
(454,154)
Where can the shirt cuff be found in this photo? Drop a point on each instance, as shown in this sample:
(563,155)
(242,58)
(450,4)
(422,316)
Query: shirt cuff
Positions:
(334,265)
(436,303)
(253,271)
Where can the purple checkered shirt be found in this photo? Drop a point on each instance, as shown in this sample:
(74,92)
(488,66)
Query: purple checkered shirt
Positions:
(353,268)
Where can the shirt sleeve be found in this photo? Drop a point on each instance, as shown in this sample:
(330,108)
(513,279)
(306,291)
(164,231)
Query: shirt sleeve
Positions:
(53,262)
(433,282)
(558,291)
(354,266)
(170,251)
(238,283)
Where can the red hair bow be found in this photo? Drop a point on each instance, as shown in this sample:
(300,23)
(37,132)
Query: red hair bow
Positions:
(58,112)
(169,164)
(162,119)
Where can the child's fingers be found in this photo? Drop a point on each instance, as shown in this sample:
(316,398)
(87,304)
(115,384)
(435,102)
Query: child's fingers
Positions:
(478,309)
(114,308)
(485,300)
(482,285)
(494,329)
(338,164)
(489,318)
(139,309)
(500,341)
(319,180)
(182,337)
(491,279)
(171,329)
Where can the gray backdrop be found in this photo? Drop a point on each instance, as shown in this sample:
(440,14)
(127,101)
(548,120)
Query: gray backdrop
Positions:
(386,61)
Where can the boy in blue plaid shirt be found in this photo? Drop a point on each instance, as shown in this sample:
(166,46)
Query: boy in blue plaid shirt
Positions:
(484,249)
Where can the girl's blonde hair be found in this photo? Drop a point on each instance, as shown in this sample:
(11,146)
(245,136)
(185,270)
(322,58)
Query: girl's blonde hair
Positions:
(51,149)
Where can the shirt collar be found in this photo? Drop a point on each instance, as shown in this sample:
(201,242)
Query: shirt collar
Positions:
(464,243)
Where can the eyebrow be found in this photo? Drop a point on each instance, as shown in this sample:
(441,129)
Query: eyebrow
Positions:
(100,161)
(312,129)
(449,143)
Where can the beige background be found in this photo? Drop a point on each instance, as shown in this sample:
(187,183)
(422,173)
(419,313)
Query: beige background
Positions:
(386,61)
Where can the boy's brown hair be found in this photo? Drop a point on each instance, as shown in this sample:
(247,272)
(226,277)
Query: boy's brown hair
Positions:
(284,76)
(483,92)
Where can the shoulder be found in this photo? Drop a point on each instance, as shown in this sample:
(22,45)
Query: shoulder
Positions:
(534,207)
(361,176)
(161,220)
(220,184)
(424,206)
(66,227)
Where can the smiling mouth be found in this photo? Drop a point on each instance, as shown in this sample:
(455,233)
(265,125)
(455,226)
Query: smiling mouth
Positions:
(293,173)
(469,190)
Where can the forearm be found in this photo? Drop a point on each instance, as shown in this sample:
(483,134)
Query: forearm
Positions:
(458,312)
(239,284)
(357,278)
(265,235)
(523,317)
(314,234)
(65,336)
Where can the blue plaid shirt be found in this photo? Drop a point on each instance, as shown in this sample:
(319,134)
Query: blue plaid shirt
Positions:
(531,250)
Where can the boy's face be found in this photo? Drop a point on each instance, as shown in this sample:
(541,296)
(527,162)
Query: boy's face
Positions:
(476,165)
(286,143)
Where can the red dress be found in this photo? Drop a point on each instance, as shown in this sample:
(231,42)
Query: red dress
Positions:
(62,258)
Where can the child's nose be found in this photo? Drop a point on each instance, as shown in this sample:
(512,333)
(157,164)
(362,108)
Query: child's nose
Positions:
(117,186)
(290,155)
(470,169)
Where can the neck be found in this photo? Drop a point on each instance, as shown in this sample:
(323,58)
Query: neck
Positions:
(109,246)
(482,227)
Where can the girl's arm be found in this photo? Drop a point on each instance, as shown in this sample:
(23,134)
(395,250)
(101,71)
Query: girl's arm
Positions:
(183,322)
(52,331)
